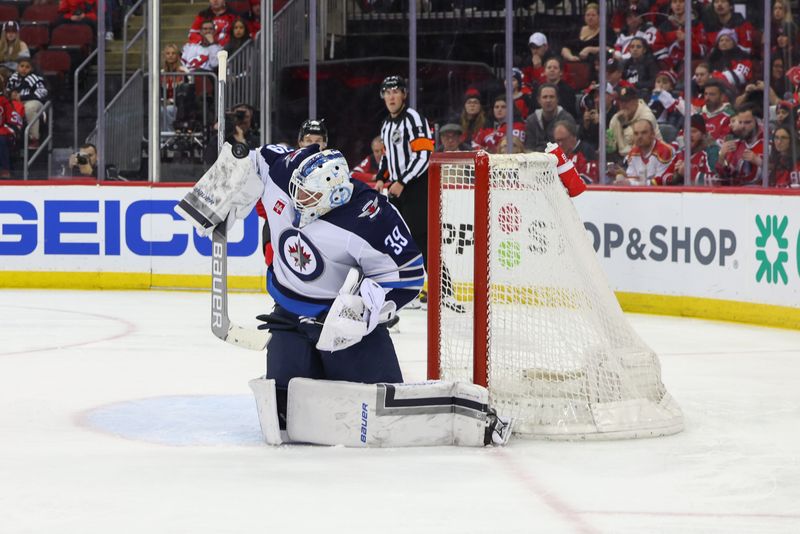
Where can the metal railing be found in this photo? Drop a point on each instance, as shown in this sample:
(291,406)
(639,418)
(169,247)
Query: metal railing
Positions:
(290,33)
(125,125)
(138,35)
(44,144)
(243,75)
(77,103)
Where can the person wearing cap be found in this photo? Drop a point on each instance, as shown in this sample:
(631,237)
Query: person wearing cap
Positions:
(705,152)
(450,138)
(12,48)
(541,51)
(650,161)
(717,110)
(408,143)
(667,105)
(590,129)
(730,60)
(472,118)
(636,26)
(520,93)
(722,16)
(620,129)
(539,125)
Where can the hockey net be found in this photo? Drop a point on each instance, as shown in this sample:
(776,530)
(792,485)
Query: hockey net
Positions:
(518,302)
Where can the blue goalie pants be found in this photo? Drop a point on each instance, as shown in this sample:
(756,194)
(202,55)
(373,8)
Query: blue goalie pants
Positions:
(293,353)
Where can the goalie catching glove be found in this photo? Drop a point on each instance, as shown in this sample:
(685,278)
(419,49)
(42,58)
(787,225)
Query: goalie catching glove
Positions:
(228,190)
(360,307)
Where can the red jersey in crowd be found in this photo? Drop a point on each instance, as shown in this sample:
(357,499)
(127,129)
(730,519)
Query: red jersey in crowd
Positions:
(675,48)
(366,170)
(718,123)
(580,157)
(734,170)
(223,24)
(700,169)
(490,138)
(785,173)
(744,31)
(71,8)
(10,119)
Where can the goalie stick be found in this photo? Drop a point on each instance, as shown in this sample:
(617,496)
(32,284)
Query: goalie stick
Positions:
(221,324)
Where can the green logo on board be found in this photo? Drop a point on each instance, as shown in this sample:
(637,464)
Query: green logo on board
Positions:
(770,227)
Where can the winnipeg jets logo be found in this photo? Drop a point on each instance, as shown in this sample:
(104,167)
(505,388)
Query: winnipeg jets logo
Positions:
(370,209)
(299,255)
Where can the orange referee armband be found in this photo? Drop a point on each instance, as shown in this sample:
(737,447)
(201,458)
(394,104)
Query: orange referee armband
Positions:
(422,143)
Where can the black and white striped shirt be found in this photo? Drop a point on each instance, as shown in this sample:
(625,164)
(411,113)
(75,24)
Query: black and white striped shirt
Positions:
(31,87)
(408,145)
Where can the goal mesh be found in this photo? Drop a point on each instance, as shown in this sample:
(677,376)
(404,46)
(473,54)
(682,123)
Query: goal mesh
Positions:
(556,350)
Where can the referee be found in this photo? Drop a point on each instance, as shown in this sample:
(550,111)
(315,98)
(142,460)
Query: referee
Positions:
(408,146)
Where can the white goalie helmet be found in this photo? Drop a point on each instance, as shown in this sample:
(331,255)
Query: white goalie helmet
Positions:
(319,184)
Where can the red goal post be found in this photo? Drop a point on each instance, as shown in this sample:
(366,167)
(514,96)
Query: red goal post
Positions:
(535,320)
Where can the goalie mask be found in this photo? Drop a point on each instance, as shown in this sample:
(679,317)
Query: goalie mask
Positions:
(319,184)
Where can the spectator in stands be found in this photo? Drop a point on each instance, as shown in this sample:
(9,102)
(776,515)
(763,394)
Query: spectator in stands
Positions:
(705,153)
(553,75)
(517,146)
(636,26)
(84,162)
(614,75)
(754,94)
(590,127)
(28,88)
(620,135)
(784,159)
(666,104)
(10,128)
(731,60)
(717,111)
(672,32)
(12,49)
(784,115)
(784,32)
(520,93)
(650,161)
(702,73)
(581,153)
(640,69)
(540,53)
(222,19)
(253,18)
(740,158)
(539,125)
(450,138)
(368,168)
(586,45)
(722,17)
(778,81)
(239,128)
(202,55)
(473,118)
(239,36)
(77,12)
(172,76)
(490,137)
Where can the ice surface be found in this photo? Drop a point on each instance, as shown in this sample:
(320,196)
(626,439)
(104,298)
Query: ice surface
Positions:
(121,413)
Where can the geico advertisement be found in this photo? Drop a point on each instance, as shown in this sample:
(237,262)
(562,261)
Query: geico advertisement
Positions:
(722,246)
(113,229)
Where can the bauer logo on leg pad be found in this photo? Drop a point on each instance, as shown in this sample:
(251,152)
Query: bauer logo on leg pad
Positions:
(364,419)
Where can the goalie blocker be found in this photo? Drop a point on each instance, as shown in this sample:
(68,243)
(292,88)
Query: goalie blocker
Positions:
(327,412)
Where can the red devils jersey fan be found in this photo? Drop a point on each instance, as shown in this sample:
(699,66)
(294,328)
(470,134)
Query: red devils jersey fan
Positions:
(223,18)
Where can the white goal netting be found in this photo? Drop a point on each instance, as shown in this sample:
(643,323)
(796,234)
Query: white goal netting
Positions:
(562,358)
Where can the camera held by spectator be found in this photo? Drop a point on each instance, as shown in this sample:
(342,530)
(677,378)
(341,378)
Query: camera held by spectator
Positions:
(83,162)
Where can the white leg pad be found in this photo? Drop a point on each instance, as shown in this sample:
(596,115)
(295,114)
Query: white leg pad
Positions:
(386,415)
(267,406)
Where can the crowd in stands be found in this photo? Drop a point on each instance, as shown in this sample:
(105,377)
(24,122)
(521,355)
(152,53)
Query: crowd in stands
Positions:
(645,98)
